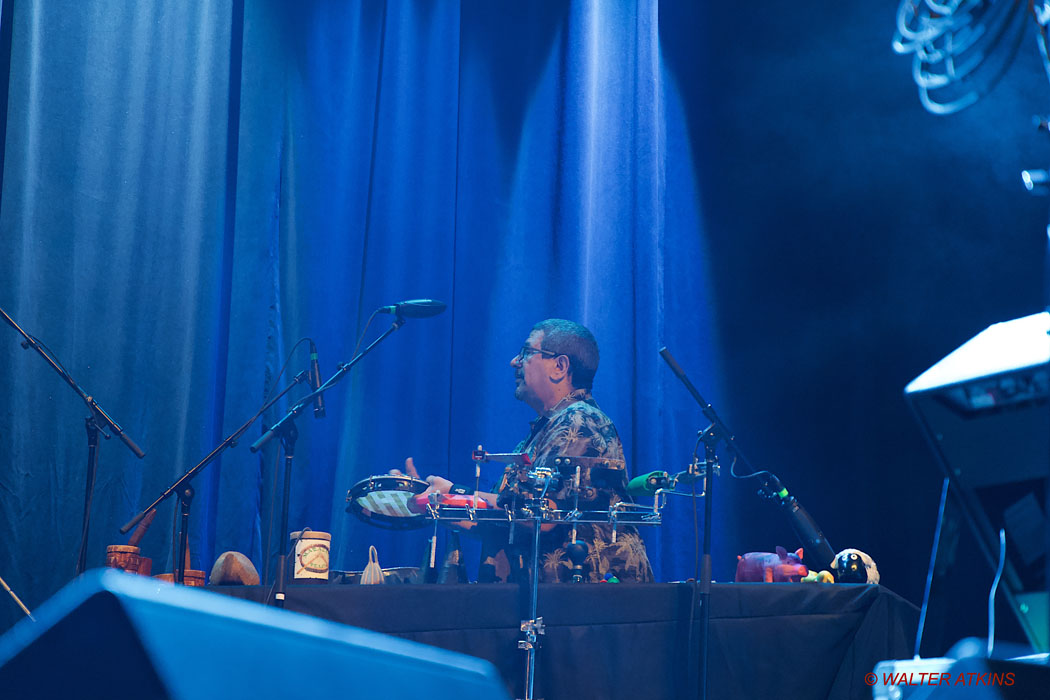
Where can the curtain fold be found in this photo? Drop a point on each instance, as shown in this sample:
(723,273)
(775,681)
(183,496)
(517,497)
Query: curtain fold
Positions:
(112,225)
(172,236)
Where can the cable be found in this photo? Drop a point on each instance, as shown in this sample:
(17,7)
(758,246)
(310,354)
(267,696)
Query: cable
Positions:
(268,555)
(362,336)
(46,349)
(287,359)
(962,48)
(291,550)
(991,593)
(1043,40)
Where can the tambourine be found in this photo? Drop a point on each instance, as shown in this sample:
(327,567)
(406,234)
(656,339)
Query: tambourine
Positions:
(384,501)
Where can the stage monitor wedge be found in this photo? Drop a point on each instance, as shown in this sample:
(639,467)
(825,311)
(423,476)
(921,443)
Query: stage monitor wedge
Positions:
(985,412)
(116,635)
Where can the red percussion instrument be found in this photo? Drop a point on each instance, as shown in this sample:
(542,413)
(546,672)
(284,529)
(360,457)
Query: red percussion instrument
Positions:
(418,504)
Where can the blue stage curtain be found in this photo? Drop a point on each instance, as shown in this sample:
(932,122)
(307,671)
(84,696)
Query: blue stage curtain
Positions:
(191,187)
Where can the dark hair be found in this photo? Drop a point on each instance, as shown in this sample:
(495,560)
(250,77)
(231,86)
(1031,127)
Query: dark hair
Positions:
(575,341)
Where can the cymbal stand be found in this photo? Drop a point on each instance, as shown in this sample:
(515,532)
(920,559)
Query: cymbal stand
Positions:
(97,422)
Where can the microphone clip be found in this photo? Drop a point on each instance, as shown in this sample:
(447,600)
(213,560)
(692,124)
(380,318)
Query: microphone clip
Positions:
(771,488)
(698,470)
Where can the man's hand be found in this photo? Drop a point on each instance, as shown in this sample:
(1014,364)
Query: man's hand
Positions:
(436,484)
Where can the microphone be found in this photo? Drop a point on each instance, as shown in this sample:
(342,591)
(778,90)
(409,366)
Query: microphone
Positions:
(315,381)
(806,529)
(415,308)
(647,484)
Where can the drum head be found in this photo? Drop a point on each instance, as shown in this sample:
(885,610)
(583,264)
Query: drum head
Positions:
(383,501)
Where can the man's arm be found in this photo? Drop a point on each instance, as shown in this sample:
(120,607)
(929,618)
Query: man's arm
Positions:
(437,484)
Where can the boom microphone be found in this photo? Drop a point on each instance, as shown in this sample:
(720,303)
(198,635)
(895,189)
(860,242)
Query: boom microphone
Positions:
(814,543)
(415,308)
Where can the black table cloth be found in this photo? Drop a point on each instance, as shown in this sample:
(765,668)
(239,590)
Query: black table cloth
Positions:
(633,641)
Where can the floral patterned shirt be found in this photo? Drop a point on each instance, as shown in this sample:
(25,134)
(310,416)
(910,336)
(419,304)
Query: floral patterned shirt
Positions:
(576,427)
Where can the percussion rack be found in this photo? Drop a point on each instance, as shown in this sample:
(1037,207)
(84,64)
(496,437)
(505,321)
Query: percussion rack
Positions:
(536,510)
(402,508)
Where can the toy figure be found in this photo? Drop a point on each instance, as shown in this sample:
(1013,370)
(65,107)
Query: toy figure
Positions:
(768,567)
(854,566)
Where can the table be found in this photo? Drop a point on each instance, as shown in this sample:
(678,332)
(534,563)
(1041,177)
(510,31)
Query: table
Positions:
(631,641)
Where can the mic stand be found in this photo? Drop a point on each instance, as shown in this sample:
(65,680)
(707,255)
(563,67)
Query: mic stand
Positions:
(711,436)
(289,434)
(801,521)
(97,422)
(185,499)
(93,430)
(290,551)
(714,433)
(294,412)
(180,562)
(286,429)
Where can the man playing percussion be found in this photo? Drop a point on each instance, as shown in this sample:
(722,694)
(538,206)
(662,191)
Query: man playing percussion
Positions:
(554,371)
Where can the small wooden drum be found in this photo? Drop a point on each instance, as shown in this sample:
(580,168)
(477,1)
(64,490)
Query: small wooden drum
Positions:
(384,501)
(190,577)
(124,557)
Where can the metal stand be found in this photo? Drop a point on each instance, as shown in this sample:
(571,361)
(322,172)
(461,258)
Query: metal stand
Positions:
(711,436)
(97,422)
(89,489)
(533,627)
(298,408)
(536,510)
(184,480)
(185,500)
(285,427)
(289,434)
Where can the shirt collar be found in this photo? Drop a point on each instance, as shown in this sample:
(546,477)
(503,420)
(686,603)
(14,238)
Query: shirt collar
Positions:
(568,400)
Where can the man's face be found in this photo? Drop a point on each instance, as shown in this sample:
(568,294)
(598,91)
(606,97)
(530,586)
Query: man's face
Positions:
(530,373)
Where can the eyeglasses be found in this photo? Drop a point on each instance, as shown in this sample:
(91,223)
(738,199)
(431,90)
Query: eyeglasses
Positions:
(526,352)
